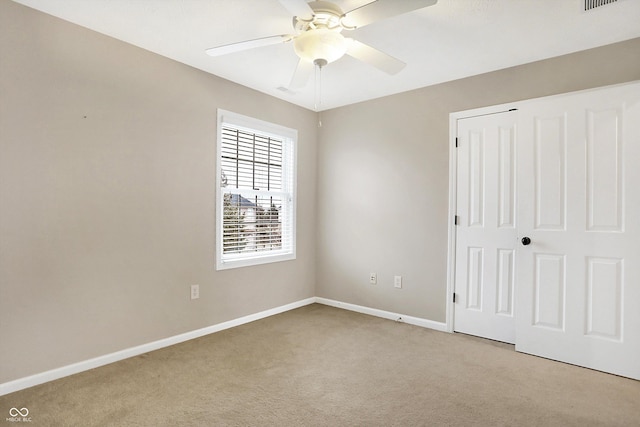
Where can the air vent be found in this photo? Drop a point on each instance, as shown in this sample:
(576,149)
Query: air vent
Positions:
(592,4)
(286,90)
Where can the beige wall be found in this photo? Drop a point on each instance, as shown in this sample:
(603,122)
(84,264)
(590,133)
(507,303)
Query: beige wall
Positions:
(107,170)
(383,177)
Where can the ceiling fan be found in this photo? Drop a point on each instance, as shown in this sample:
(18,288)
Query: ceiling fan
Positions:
(317,38)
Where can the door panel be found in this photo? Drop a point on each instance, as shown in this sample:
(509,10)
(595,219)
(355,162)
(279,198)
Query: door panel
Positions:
(604,170)
(476,205)
(486,232)
(507,178)
(549,172)
(549,291)
(505,285)
(604,297)
(579,202)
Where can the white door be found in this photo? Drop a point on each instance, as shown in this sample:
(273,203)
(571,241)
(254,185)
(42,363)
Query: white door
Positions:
(486,231)
(578,297)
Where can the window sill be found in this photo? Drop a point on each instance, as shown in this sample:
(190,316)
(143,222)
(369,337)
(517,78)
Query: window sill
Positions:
(258,260)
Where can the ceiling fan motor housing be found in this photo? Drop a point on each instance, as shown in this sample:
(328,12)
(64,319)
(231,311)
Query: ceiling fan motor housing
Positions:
(325,15)
(319,40)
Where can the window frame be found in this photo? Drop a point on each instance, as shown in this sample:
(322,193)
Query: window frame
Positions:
(290,138)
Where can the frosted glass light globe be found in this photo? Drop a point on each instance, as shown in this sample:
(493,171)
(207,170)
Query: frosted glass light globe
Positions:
(320,46)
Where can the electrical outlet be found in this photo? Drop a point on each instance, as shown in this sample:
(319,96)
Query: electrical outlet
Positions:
(397,282)
(373,278)
(195,291)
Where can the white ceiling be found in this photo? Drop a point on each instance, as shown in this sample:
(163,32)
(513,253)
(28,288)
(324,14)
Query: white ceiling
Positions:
(451,40)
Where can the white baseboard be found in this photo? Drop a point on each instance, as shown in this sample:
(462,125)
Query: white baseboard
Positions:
(54,374)
(425,323)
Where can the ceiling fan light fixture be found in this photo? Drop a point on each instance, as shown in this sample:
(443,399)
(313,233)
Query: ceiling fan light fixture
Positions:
(320,46)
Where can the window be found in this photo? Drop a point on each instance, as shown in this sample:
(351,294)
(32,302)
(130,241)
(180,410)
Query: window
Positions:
(255,217)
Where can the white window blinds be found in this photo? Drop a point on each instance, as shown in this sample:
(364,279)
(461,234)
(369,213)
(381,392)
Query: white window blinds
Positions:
(256,206)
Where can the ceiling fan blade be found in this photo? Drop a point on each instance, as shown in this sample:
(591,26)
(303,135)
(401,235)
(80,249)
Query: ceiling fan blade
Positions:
(301,76)
(298,8)
(248,44)
(382,9)
(372,56)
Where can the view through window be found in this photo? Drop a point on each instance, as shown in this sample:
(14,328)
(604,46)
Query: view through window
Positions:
(256,206)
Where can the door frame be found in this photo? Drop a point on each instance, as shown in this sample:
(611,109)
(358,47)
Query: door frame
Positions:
(453,193)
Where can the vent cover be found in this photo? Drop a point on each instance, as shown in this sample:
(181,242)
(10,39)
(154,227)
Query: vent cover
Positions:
(592,4)
(286,90)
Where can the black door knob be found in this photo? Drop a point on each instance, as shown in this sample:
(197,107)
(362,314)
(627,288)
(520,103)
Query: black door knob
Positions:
(526,241)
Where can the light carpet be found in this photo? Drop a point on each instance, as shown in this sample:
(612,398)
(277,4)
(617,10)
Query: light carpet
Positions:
(322,366)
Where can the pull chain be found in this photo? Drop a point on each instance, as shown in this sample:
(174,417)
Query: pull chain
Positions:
(318,89)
